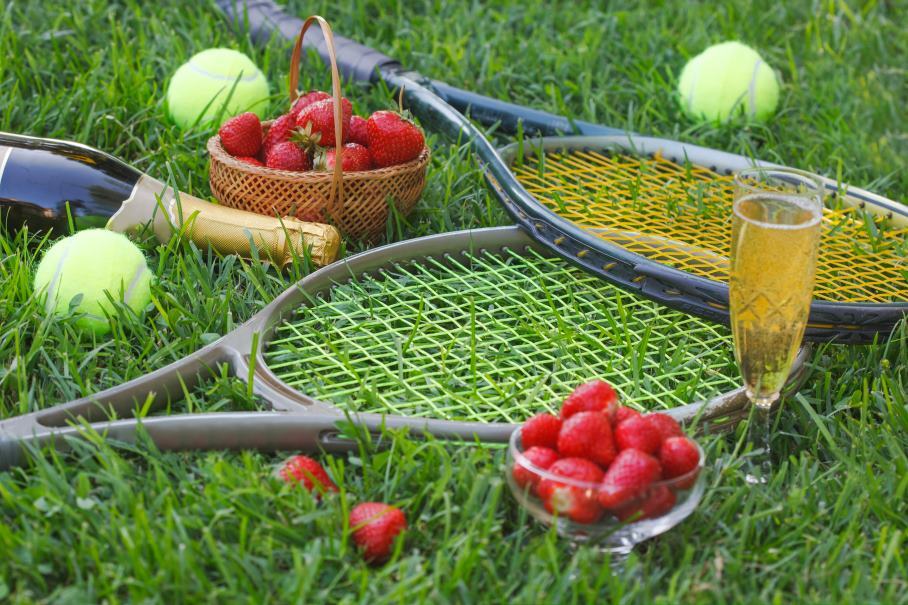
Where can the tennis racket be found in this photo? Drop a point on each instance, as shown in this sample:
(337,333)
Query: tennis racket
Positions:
(649,214)
(460,334)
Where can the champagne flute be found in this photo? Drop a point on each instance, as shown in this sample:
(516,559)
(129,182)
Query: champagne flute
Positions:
(775,239)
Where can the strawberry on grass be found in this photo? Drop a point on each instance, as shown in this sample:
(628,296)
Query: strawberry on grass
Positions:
(241,136)
(307,472)
(375,526)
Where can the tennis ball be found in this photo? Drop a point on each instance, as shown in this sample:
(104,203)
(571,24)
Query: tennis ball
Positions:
(92,263)
(213,80)
(727,80)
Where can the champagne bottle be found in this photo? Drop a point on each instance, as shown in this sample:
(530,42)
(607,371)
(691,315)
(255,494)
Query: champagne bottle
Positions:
(44,182)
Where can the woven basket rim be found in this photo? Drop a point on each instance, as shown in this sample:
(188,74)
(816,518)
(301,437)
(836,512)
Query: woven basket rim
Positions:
(217,151)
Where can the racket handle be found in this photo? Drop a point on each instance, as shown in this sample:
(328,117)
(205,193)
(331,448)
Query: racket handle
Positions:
(227,230)
(264,17)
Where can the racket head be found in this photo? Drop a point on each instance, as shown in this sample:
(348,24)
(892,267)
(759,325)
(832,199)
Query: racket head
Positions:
(654,240)
(426,309)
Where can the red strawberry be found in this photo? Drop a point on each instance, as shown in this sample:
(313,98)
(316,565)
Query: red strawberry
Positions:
(242,135)
(624,413)
(587,435)
(541,429)
(657,502)
(253,161)
(679,456)
(304,101)
(594,396)
(540,457)
(307,472)
(660,501)
(317,121)
(665,425)
(393,139)
(280,131)
(287,156)
(375,525)
(355,158)
(639,434)
(359,132)
(631,473)
(577,503)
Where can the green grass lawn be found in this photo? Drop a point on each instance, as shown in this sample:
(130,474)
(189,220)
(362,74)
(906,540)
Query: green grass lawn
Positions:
(128,523)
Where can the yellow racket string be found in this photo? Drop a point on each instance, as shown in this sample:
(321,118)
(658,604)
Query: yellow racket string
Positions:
(680,216)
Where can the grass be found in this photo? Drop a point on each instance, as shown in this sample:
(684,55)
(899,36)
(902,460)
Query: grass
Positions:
(116,523)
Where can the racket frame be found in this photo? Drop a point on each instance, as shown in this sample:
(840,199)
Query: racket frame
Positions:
(706,298)
(294,420)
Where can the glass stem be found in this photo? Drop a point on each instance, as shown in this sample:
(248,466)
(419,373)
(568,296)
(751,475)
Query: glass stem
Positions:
(759,428)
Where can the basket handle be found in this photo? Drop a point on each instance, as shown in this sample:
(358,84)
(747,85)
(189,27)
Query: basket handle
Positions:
(336,197)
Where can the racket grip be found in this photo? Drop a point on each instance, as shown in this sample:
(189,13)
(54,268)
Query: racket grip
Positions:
(227,230)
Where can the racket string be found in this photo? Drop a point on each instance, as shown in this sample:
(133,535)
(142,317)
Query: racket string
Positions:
(493,337)
(679,215)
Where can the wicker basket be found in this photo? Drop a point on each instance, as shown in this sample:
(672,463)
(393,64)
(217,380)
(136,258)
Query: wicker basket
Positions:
(358,203)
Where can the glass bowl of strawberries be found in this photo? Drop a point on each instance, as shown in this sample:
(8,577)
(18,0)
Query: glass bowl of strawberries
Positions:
(603,473)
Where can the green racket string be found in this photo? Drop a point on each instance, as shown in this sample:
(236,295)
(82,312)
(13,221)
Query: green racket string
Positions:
(492,337)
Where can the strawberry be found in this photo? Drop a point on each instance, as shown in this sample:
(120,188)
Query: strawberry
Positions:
(355,158)
(280,131)
(658,501)
(304,101)
(375,525)
(577,503)
(665,425)
(626,479)
(250,160)
(541,429)
(287,156)
(679,456)
(393,139)
(317,121)
(639,434)
(594,396)
(587,435)
(624,413)
(359,132)
(308,473)
(540,457)
(242,135)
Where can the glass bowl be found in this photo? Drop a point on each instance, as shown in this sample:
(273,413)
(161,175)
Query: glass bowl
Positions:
(657,509)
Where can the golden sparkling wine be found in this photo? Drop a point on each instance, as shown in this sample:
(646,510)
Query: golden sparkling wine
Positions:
(774,248)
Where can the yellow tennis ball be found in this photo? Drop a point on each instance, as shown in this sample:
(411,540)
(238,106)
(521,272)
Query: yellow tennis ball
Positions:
(212,81)
(728,80)
(91,264)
